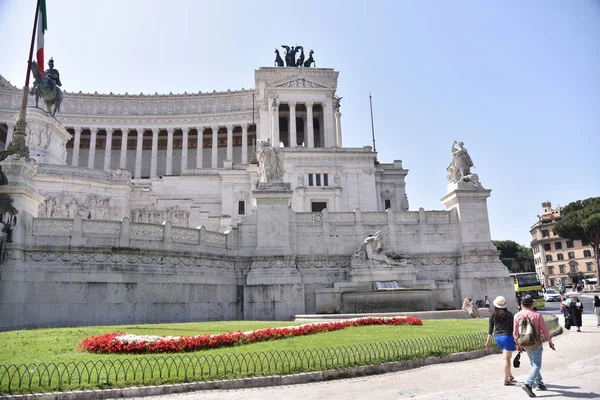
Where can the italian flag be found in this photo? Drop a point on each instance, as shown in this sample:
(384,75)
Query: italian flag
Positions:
(42,25)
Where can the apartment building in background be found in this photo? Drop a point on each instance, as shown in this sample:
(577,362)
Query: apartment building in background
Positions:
(557,260)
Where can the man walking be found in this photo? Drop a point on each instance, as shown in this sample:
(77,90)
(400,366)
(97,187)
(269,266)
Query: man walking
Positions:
(534,352)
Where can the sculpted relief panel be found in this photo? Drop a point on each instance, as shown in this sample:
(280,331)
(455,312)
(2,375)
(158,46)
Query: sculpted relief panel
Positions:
(152,215)
(67,205)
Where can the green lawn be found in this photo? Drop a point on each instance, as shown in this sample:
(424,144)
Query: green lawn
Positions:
(338,349)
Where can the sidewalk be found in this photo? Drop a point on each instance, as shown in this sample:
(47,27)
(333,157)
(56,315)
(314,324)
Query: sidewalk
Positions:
(572,371)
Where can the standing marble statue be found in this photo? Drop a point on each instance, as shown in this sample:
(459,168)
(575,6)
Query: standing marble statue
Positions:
(270,167)
(459,169)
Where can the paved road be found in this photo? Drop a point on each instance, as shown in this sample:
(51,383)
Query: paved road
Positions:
(572,371)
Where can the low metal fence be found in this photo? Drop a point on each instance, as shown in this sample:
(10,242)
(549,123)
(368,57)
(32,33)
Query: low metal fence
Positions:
(152,370)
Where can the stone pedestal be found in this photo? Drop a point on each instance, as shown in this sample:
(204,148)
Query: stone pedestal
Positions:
(479,271)
(273,220)
(21,190)
(46,138)
(470,205)
(274,289)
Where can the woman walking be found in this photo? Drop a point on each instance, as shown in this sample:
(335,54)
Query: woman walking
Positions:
(501,325)
(576,309)
(597,309)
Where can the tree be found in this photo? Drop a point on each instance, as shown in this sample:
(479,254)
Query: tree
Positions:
(516,257)
(580,220)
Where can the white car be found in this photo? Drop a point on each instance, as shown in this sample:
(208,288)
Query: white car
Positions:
(551,295)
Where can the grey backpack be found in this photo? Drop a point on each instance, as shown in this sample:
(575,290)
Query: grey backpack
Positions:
(528,334)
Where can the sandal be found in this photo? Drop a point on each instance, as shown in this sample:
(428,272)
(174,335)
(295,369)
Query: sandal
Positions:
(509,383)
(512,379)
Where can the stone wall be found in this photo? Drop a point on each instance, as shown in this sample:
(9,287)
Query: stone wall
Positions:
(92,271)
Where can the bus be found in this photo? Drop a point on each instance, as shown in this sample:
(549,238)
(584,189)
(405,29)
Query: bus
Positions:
(528,283)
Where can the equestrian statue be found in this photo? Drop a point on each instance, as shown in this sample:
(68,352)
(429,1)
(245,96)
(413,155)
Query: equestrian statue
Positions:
(47,87)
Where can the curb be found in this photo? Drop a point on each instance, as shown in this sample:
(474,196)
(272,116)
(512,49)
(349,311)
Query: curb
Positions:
(247,383)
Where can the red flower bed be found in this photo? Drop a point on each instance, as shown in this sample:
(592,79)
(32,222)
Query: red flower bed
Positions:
(122,343)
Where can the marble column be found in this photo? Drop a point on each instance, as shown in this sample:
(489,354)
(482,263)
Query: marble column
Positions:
(338,129)
(328,123)
(123,159)
(310,129)
(184,149)
(244,143)
(304,134)
(276,128)
(292,124)
(9,134)
(138,153)
(169,166)
(76,146)
(108,149)
(92,152)
(199,147)
(154,160)
(215,133)
(230,143)
(321,129)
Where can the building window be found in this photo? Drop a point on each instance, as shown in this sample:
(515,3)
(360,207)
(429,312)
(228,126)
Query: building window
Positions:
(558,245)
(388,204)
(550,270)
(561,268)
(547,246)
(548,257)
(560,257)
(551,282)
(571,255)
(241,207)
(317,179)
(569,244)
(545,233)
(587,253)
(589,267)
(573,268)
(318,206)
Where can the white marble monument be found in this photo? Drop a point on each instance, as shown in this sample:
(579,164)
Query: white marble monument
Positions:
(184,207)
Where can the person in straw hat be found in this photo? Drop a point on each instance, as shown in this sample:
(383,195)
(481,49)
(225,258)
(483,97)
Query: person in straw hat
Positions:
(501,325)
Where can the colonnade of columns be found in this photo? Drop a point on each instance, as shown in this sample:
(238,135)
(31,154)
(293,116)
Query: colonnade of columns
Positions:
(139,132)
(308,117)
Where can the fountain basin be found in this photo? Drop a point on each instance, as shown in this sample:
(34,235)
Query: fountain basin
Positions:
(389,300)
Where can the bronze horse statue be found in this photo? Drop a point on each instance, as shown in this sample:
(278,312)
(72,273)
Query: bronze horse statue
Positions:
(278,59)
(310,60)
(47,89)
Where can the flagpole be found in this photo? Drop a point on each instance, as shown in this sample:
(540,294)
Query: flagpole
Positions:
(37,9)
(18,144)
(373,128)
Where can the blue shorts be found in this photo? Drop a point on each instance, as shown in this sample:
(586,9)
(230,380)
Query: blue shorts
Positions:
(506,343)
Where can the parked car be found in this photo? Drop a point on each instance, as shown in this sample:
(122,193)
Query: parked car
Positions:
(551,295)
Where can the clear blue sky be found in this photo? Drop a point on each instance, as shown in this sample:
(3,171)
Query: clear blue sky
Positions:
(517,81)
